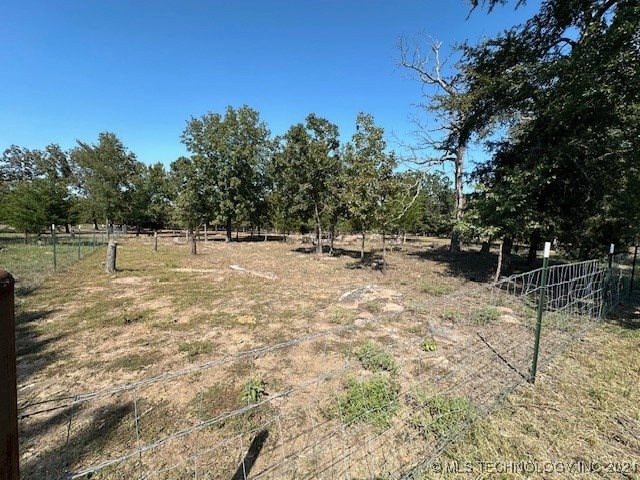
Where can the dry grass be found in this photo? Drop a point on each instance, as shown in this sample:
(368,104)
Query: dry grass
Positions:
(84,331)
(580,420)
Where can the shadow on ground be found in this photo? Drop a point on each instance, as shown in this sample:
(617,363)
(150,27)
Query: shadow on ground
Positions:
(33,351)
(69,449)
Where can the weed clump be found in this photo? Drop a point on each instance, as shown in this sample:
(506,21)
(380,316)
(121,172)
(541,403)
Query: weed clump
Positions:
(485,315)
(373,401)
(442,416)
(435,289)
(375,358)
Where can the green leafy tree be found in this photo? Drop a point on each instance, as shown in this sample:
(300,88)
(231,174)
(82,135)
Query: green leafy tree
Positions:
(27,206)
(229,151)
(305,169)
(105,173)
(565,87)
(191,193)
(370,181)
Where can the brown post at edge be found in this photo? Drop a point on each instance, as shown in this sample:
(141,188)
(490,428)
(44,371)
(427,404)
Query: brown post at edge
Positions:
(9,469)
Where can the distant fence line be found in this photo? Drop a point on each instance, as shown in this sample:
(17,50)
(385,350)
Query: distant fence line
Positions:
(36,257)
(327,416)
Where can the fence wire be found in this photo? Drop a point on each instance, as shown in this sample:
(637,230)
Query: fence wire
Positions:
(377,398)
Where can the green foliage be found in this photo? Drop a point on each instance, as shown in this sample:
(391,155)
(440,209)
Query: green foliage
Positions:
(105,173)
(442,416)
(375,358)
(373,401)
(429,345)
(306,173)
(372,191)
(254,390)
(223,178)
(485,315)
(564,86)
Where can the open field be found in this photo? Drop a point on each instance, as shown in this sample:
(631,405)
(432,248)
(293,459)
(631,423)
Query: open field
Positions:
(253,356)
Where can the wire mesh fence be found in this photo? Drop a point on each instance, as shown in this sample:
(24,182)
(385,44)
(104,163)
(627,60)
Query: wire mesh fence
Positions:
(370,399)
(32,258)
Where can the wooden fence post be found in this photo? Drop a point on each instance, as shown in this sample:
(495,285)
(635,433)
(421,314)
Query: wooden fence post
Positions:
(110,265)
(9,467)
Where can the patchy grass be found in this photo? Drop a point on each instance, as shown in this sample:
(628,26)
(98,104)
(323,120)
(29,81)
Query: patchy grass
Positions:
(373,401)
(441,416)
(435,289)
(375,358)
(195,349)
(584,408)
(485,315)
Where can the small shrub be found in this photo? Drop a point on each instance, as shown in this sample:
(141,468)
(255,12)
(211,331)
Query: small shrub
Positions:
(373,401)
(375,358)
(429,345)
(483,316)
(434,289)
(253,391)
(443,416)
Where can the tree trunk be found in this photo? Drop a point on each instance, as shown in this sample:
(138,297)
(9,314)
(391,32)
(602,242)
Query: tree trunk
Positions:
(458,171)
(362,248)
(26,237)
(110,265)
(318,231)
(333,234)
(533,247)
(504,258)
(384,251)
(95,224)
(193,244)
(486,247)
(228,230)
(66,228)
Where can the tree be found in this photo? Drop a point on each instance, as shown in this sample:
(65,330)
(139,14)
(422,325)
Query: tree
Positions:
(27,207)
(51,167)
(305,169)
(149,199)
(565,87)
(371,183)
(447,98)
(105,175)
(191,193)
(228,152)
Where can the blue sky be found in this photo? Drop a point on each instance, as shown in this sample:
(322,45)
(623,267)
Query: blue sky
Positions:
(142,68)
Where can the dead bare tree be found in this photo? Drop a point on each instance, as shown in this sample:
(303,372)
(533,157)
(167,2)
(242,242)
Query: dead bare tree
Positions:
(445,98)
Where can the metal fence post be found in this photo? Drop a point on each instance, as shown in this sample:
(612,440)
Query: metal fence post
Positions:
(543,288)
(9,467)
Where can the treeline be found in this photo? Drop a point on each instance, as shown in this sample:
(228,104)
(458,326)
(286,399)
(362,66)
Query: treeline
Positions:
(237,175)
(555,102)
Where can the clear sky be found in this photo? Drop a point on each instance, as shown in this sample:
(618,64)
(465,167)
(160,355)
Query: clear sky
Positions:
(142,68)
